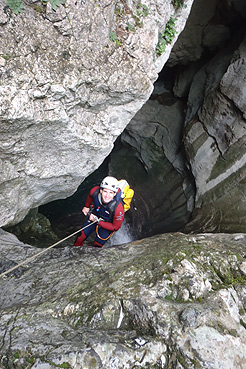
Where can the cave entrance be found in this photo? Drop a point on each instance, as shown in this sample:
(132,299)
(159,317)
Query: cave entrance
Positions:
(150,150)
(154,169)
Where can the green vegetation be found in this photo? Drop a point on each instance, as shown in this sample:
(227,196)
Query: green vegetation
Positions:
(178,4)
(130,27)
(54,3)
(186,364)
(142,9)
(31,360)
(114,38)
(138,14)
(166,37)
(170,297)
(165,260)
(6,57)
(231,278)
(17,6)
(127,19)
(197,247)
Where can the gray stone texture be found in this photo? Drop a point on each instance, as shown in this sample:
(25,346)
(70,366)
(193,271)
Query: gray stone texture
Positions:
(170,301)
(67,91)
(215,141)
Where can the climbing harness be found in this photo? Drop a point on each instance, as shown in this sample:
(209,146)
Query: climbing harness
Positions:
(103,239)
(43,251)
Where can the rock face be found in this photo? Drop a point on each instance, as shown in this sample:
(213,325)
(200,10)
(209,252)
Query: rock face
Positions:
(71,80)
(208,62)
(66,97)
(215,125)
(170,301)
(198,102)
(215,141)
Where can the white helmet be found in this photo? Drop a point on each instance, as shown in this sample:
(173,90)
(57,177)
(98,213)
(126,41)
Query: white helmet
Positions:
(110,183)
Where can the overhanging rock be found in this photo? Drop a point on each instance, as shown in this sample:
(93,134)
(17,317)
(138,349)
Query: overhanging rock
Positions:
(71,80)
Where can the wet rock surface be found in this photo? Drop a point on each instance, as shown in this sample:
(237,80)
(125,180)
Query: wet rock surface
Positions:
(215,141)
(213,80)
(169,301)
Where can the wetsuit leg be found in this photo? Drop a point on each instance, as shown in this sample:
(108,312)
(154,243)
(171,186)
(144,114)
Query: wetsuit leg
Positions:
(80,239)
(102,237)
(96,244)
(82,236)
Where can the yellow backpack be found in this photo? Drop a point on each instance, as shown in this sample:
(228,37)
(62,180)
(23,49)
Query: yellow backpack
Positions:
(126,193)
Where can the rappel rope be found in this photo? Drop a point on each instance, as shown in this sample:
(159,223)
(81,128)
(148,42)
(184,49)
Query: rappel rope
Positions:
(43,251)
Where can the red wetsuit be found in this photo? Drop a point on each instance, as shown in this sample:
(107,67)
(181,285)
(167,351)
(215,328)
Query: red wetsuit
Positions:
(118,217)
(112,215)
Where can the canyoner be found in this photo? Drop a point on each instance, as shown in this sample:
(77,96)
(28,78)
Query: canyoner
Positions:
(105,208)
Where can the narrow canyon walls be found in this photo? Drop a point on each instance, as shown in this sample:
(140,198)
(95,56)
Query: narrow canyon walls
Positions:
(195,126)
(70,82)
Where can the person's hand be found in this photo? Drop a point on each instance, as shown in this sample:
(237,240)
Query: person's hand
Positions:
(93,218)
(85,210)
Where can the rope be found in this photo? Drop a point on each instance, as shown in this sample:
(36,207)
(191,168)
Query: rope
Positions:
(43,251)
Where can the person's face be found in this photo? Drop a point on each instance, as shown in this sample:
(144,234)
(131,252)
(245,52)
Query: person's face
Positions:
(107,195)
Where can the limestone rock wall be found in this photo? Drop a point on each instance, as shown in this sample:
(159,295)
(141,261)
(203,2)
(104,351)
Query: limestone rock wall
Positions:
(170,301)
(215,141)
(198,102)
(67,91)
(212,78)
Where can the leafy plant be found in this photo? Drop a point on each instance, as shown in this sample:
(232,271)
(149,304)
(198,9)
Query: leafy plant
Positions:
(54,3)
(114,38)
(161,45)
(130,17)
(118,11)
(178,3)
(31,360)
(130,27)
(17,6)
(166,37)
(170,31)
(142,9)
